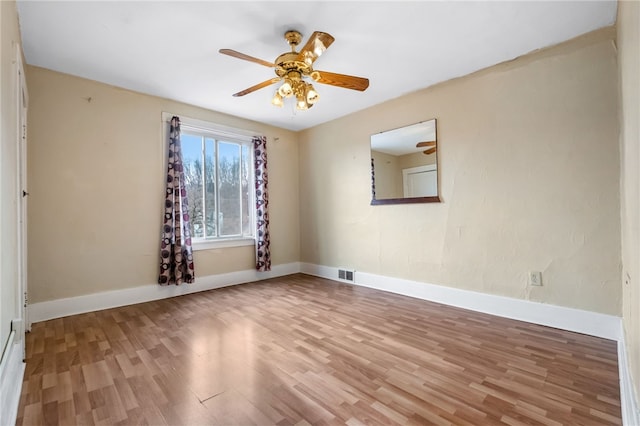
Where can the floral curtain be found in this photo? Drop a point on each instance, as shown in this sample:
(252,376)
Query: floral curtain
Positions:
(373,179)
(176,255)
(263,253)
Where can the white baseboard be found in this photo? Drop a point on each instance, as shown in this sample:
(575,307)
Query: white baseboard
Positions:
(59,308)
(628,398)
(580,321)
(11,373)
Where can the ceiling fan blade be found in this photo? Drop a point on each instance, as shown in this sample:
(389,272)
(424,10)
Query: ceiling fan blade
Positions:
(246,57)
(423,144)
(341,80)
(316,45)
(429,151)
(257,87)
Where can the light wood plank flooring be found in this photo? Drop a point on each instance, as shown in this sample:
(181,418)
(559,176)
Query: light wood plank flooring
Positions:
(303,350)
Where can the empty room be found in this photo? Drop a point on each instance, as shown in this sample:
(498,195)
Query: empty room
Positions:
(320,212)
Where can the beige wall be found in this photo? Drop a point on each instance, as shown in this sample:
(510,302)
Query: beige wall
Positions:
(9,36)
(96,179)
(529,169)
(629,66)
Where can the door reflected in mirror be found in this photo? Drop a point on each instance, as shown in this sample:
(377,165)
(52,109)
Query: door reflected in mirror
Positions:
(404,165)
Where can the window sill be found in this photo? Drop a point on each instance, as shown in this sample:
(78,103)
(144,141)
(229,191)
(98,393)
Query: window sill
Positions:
(215,244)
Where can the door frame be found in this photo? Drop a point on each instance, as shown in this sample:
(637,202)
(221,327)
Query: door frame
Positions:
(414,170)
(22,100)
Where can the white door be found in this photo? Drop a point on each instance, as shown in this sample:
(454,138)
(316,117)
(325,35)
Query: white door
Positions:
(420,181)
(22,99)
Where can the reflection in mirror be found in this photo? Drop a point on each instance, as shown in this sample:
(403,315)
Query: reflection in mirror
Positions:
(404,166)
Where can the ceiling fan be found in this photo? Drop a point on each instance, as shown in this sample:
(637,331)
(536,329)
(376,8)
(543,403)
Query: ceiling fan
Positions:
(293,67)
(428,151)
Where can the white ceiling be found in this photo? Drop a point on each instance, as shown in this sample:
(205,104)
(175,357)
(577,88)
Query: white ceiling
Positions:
(170,48)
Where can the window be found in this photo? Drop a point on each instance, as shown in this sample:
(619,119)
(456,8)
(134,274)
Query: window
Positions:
(218,171)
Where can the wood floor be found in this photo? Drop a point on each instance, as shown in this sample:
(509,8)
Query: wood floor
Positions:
(303,350)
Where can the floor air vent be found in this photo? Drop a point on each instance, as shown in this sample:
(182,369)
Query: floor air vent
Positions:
(346,274)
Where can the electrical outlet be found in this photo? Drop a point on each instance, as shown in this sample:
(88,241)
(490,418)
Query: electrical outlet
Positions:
(535,278)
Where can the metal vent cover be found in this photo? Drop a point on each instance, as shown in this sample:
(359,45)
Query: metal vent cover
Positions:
(346,274)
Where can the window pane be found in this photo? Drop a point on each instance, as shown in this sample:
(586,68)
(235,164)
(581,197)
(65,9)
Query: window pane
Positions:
(229,188)
(247,229)
(210,187)
(192,164)
(219,184)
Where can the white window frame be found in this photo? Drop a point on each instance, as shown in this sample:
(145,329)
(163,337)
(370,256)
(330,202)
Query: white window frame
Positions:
(224,133)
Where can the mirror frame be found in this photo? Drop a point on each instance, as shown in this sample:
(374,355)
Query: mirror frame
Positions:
(410,200)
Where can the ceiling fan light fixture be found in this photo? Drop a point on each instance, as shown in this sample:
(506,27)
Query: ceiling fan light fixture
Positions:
(285,90)
(312,95)
(277,100)
(301,102)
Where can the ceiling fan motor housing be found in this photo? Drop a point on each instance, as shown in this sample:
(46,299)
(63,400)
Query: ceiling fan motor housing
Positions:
(290,62)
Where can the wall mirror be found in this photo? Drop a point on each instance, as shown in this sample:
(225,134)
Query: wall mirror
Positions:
(404,166)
